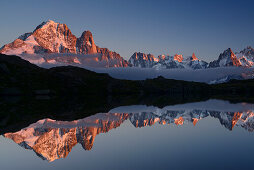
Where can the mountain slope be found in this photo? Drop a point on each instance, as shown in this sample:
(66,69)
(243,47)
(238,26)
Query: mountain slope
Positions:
(54,44)
(244,58)
(169,62)
(28,78)
(50,39)
(194,63)
(228,58)
(142,60)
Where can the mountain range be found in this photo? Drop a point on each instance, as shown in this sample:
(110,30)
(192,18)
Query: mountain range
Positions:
(54,44)
(51,139)
(54,38)
(228,58)
(20,77)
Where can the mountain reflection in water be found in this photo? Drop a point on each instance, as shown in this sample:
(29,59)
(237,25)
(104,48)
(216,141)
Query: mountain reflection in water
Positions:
(51,139)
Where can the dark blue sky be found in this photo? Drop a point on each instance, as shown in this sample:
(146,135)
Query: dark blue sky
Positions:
(151,26)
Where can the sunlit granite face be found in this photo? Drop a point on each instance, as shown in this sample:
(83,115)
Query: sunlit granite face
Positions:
(51,139)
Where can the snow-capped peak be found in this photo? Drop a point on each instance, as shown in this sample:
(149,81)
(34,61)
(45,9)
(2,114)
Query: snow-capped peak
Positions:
(46,23)
(227,58)
(143,60)
(178,58)
(226,54)
(248,52)
(53,38)
(165,61)
(193,57)
(85,44)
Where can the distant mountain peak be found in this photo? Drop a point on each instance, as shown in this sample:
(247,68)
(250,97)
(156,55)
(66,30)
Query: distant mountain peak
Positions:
(194,56)
(227,53)
(51,37)
(46,23)
(231,59)
(249,47)
(179,58)
(227,58)
(248,52)
(170,62)
(85,44)
(87,33)
(229,50)
(142,60)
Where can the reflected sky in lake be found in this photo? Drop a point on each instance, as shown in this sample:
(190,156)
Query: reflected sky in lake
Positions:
(205,135)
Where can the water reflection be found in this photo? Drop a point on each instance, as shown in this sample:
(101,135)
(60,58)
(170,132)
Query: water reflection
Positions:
(51,139)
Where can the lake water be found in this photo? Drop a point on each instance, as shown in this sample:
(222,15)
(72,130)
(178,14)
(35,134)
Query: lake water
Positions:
(205,135)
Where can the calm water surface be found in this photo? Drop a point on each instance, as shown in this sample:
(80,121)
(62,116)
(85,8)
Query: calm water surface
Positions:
(205,135)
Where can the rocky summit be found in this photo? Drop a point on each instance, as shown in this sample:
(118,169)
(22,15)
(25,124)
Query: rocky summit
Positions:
(228,58)
(51,40)
(168,62)
(53,44)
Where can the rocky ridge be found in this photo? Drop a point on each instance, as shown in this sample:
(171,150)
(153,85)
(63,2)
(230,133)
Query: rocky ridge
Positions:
(55,38)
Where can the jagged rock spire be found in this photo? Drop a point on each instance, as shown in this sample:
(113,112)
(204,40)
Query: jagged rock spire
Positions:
(179,58)
(194,57)
(53,38)
(85,43)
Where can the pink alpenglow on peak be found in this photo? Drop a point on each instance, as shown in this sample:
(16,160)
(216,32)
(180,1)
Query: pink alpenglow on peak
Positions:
(51,40)
(166,62)
(179,58)
(194,57)
(53,44)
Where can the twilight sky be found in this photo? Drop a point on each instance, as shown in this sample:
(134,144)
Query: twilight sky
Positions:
(151,26)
